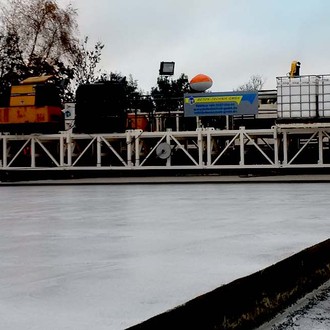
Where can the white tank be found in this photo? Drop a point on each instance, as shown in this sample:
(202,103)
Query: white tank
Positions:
(297,97)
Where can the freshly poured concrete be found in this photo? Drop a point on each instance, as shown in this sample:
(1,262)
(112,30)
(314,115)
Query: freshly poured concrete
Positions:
(108,257)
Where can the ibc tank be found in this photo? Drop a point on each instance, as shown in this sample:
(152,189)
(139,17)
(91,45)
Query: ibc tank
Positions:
(297,97)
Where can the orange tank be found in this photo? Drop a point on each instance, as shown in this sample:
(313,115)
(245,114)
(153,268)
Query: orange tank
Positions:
(137,121)
(201,83)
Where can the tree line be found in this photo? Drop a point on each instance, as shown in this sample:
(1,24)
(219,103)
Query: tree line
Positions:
(39,37)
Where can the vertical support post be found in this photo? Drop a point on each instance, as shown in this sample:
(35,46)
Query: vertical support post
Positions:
(168,140)
(137,148)
(320,148)
(177,122)
(98,151)
(4,151)
(285,148)
(33,153)
(69,148)
(241,141)
(129,148)
(208,148)
(276,157)
(200,147)
(227,122)
(157,123)
(197,122)
(62,150)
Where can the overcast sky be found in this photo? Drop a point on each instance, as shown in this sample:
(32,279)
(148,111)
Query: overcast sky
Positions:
(229,40)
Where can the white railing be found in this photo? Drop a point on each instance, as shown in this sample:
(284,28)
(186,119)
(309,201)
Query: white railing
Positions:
(278,147)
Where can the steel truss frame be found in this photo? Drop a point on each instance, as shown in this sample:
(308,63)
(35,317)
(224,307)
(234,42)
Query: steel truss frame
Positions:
(306,146)
(277,147)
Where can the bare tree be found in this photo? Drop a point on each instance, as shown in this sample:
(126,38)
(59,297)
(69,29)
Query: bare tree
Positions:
(40,37)
(255,83)
(85,62)
(43,29)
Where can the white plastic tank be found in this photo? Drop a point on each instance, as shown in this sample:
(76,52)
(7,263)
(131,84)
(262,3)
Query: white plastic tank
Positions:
(324,96)
(297,97)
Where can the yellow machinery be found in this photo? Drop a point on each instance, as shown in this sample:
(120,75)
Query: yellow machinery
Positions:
(295,69)
(34,105)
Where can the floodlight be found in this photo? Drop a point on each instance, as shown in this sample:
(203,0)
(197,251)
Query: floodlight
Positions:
(166,68)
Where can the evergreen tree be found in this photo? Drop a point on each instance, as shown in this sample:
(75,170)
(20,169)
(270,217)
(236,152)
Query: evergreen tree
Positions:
(168,95)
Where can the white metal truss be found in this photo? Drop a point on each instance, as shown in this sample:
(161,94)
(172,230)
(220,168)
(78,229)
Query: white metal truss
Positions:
(306,146)
(291,146)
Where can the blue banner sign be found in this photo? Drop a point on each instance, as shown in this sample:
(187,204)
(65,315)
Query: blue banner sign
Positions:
(220,104)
